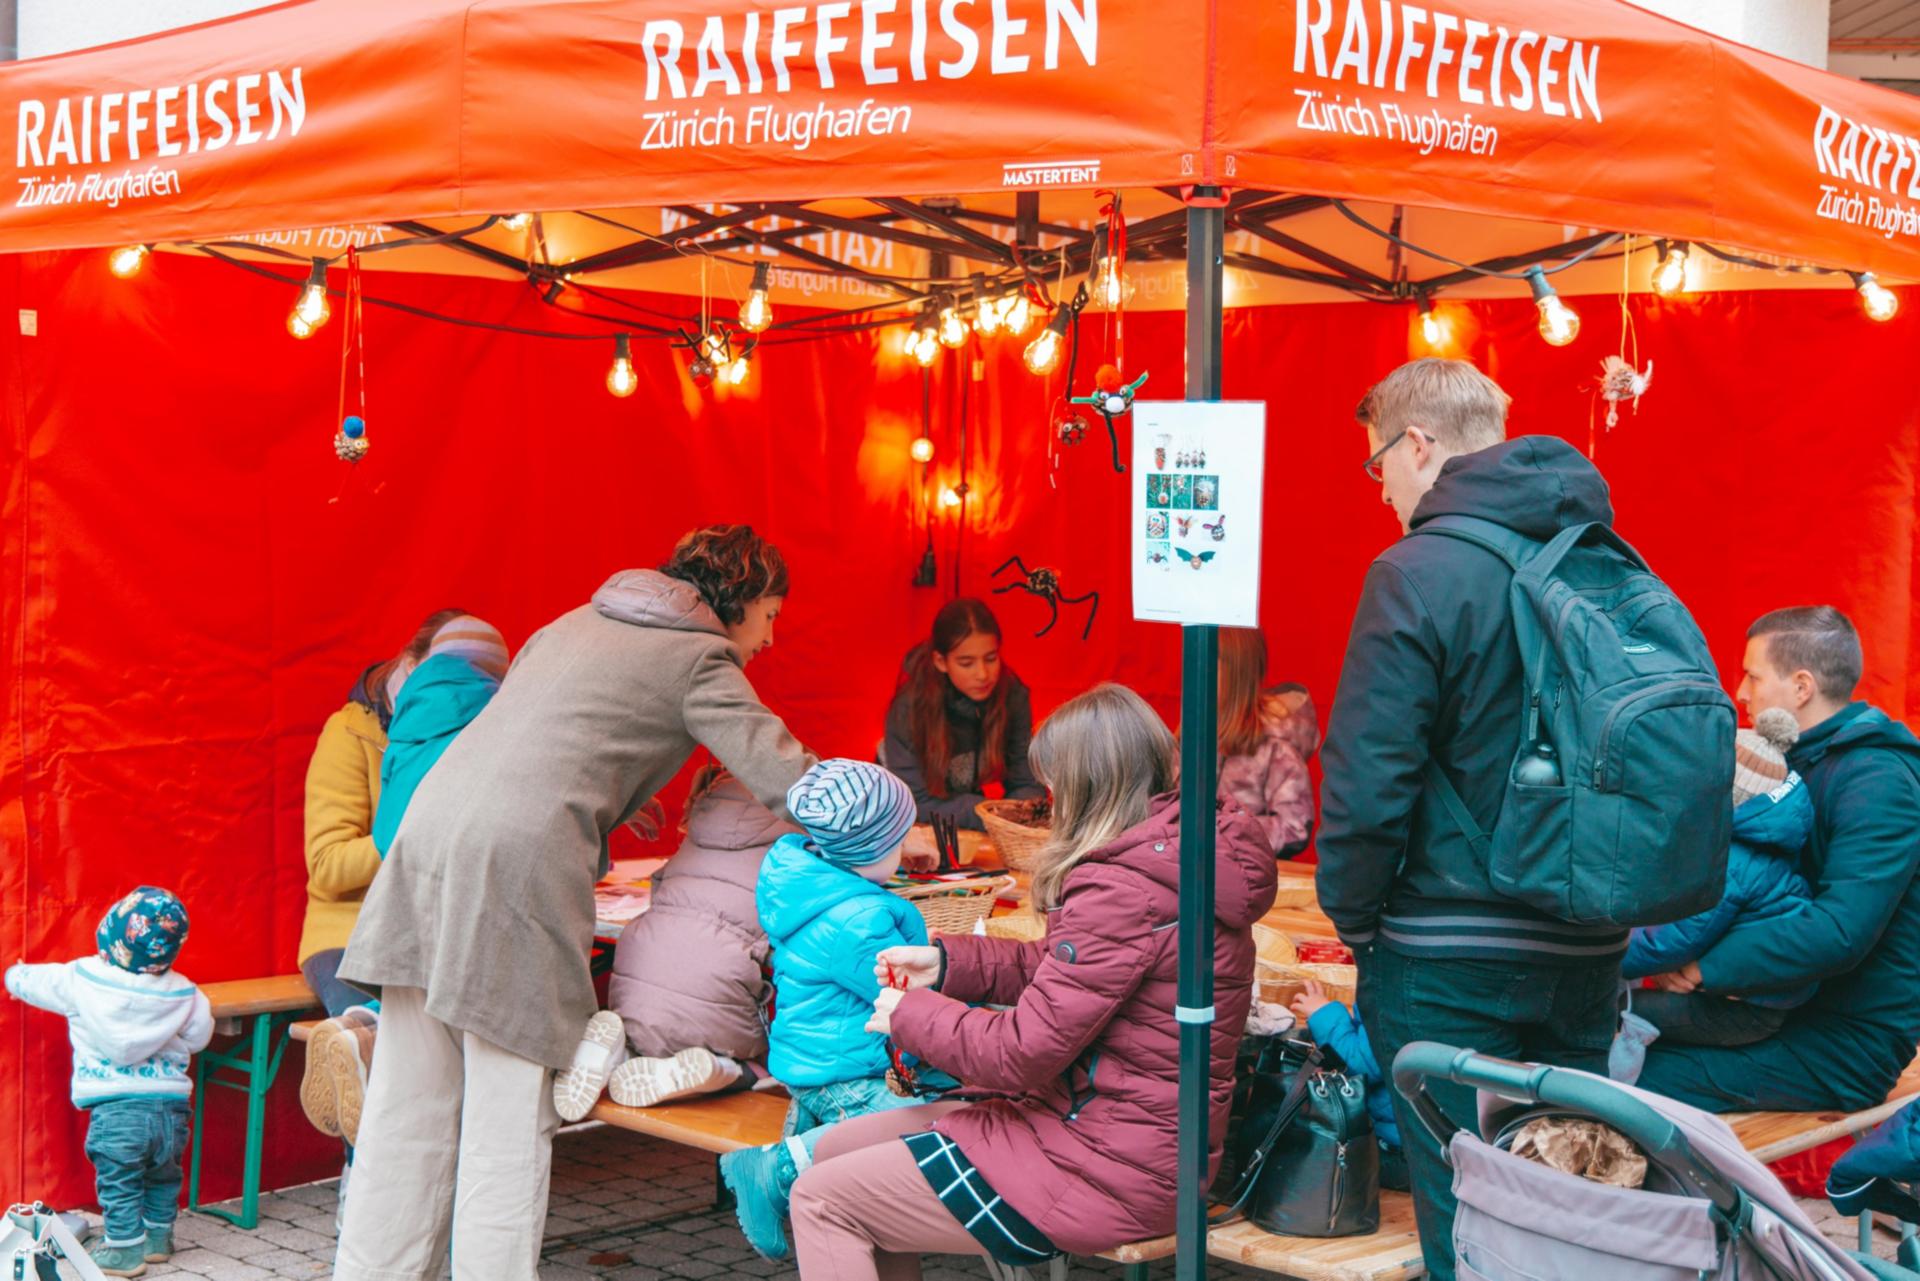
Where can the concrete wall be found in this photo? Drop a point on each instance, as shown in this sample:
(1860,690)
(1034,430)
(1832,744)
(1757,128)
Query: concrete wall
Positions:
(1794,29)
(55,26)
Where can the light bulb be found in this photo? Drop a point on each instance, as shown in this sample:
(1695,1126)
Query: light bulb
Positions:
(1109,287)
(923,346)
(1431,327)
(126,261)
(310,310)
(1043,353)
(1670,277)
(713,344)
(921,450)
(1559,324)
(1018,315)
(949,497)
(756,313)
(736,372)
(621,380)
(953,330)
(1881,303)
(517,222)
(988,317)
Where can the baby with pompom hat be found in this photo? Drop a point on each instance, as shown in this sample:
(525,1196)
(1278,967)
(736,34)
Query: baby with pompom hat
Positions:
(1772,821)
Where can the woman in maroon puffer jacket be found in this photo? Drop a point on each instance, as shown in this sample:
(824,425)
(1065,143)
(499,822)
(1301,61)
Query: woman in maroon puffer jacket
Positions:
(1075,1151)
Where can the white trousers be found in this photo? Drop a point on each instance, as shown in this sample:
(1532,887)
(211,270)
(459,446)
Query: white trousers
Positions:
(456,1142)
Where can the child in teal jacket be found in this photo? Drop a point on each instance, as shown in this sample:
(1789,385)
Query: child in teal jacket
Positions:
(432,703)
(825,910)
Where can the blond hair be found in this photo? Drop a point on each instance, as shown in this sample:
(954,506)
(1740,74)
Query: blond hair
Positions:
(1105,755)
(1450,400)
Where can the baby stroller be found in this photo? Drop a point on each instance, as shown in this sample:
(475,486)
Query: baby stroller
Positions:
(1708,1211)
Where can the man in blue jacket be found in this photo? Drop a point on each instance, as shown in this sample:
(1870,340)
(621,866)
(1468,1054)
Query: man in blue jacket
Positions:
(1860,937)
(1433,671)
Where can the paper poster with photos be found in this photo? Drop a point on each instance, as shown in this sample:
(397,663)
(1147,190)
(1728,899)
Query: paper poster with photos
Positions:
(1197,481)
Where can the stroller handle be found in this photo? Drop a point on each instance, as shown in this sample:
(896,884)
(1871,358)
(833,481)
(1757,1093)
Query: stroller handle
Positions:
(1533,1083)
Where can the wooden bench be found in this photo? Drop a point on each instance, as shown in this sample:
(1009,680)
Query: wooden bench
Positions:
(258,1010)
(716,1124)
(1773,1136)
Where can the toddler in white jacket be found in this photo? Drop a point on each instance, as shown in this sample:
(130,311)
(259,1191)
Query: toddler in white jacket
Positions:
(135,1025)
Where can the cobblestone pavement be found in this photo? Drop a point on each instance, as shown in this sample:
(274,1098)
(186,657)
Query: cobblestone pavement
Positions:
(624,1207)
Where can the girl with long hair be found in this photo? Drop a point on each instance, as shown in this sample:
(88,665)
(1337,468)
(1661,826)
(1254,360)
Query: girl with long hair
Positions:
(1267,735)
(960,718)
(1072,1153)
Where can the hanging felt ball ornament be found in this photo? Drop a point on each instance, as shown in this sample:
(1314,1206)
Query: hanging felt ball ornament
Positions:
(350,443)
(1069,427)
(353,427)
(702,371)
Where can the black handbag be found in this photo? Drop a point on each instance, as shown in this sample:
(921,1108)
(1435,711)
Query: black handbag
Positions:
(1300,1157)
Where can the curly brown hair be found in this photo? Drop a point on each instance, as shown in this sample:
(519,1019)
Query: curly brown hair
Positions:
(730,566)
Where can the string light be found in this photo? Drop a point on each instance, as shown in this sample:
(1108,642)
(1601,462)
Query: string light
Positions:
(989,312)
(923,346)
(713,345)
(736,371)
(953,330)
(1016,315)
(126,261)
(1043,353)
(949,497)
(756,313)
(1670,277)
(310,310)
(1110,287)
(1432,329)
(921,450)
(621,380)
(1559,324)
(1881,303)
(517,222)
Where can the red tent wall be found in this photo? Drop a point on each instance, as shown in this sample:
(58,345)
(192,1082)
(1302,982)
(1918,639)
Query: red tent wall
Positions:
(189,581)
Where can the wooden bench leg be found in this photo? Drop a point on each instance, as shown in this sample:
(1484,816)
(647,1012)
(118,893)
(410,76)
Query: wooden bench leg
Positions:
(254,1062)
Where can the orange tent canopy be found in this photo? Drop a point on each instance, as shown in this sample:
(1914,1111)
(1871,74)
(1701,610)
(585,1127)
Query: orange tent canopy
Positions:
(321,112)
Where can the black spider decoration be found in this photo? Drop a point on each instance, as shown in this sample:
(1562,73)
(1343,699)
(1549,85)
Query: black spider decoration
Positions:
(1045,583)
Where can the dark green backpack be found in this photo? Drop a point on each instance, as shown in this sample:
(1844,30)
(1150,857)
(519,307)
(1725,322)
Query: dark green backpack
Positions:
(1620,683)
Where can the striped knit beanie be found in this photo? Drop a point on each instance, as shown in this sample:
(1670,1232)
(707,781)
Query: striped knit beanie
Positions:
(143,932)
(854,813)
(1760,754)
(475,640)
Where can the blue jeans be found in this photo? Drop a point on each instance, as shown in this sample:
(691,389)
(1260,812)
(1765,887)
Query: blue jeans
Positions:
(818,1108)
(135,1146)
(1564,1015)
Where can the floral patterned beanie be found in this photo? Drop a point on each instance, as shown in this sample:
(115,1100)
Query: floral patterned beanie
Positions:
(143,932)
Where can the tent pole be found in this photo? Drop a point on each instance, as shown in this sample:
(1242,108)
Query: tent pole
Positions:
(1199,716)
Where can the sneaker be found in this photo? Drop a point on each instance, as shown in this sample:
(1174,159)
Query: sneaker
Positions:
(159,1245)
(577,1089)
(641,1083)
(120,1260)
(348,1058)
(760,1179)
(318,1099)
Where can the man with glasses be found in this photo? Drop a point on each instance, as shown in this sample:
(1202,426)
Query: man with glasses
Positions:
(1433,672)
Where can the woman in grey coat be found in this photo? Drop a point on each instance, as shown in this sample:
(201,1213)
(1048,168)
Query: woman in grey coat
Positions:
(477,931)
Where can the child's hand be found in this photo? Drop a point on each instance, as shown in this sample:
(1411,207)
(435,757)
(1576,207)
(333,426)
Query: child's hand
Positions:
(907,967)
(1305,1004)
(648,821)
(883,1007)
(1683,980)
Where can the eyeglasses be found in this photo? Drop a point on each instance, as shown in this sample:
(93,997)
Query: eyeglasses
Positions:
(1372,465)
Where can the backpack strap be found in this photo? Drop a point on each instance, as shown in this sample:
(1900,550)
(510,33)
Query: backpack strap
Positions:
(1509,545)
(1449,795)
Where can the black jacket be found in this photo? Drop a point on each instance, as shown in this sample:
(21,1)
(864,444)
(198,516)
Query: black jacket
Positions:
(1432,670)
(1861,932)
(963,744)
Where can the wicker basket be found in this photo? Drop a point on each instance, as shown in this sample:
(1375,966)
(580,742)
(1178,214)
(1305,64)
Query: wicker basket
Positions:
(1274,948)
(955,907)
(1023,926)
(1279,984)
(1015,838)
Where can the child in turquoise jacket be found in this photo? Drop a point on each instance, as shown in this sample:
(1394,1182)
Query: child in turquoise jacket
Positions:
(431,705)
(825,909)
(1337,1028)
